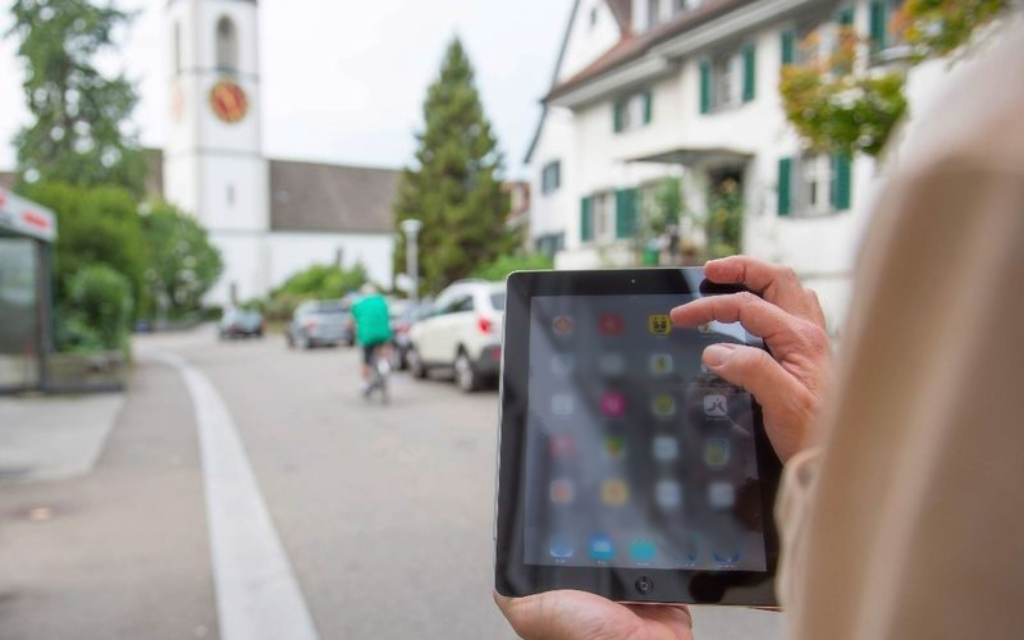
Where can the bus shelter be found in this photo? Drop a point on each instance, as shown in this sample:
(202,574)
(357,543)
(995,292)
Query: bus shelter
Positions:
(27,233)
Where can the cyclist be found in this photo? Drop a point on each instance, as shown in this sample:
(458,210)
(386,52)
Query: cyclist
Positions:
(373,330)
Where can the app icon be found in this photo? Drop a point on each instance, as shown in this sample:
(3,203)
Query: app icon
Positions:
(690,550)
(562,491)
(716,453)
(668,494)
(601,547)
(660,364)
(562,365)
(665,448)
(721,495)
(562,404)
(715,406)
(562,325)
(561,446)
(612,364)
(561,546)
(663,405)
(614,447)
(613,404)
(659,324)
(610,324)
(614,492)
(727,549)
(642,549)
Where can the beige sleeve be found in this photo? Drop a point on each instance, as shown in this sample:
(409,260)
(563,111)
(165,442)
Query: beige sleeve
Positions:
(791,510)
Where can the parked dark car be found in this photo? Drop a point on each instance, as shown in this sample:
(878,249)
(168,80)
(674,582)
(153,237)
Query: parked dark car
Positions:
(240,323)
(404,314)
(321,323)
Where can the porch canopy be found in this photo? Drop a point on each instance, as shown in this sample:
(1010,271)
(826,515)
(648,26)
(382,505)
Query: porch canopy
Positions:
(693,155)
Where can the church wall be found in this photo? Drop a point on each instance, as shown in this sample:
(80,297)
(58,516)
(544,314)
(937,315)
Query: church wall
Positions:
(244,276)
(234,191)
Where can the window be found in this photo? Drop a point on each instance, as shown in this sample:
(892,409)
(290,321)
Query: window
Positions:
(551,177)
(231,195)
(227,45)
(593,17)
(814,184)
(728,80)
(884,39)
(633,112)
(549,244)
(679,6)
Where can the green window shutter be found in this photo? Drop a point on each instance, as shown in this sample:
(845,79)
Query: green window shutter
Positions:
(785,185)
(842,184)
(586,219)
(705,86)
(879,25)
(648,107)
(625,213)
(619,106)
(845,17)
(788,47)
(749,72)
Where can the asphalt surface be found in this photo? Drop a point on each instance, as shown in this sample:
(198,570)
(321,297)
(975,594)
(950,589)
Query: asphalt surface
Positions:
(384,512)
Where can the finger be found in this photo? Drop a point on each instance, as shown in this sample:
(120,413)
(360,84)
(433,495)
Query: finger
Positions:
(777,284)
(757,316)
(783,398)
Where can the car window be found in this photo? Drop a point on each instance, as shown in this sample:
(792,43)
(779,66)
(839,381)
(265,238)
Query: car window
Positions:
(498,301)
(462,304)
(331,306)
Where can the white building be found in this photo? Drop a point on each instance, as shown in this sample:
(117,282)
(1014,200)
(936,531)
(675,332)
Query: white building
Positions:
(268,218)
(645,89)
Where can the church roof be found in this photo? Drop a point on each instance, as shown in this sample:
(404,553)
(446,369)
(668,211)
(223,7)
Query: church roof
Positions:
(315,197)
(306,196)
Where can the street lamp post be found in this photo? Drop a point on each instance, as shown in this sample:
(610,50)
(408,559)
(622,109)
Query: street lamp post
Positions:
(411,228)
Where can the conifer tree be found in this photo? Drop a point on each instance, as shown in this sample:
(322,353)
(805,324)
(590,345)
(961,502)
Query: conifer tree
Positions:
(454,187)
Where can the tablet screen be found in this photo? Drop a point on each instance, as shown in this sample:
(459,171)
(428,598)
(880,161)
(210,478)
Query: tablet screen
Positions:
(636,457)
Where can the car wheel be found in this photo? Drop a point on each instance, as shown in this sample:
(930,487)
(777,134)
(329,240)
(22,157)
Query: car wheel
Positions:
(419,369)
(465,374)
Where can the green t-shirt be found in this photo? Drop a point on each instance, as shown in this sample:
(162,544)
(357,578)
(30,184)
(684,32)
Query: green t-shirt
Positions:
(371,316)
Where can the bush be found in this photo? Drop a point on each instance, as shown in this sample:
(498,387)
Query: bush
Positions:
(98,311)
(504,265)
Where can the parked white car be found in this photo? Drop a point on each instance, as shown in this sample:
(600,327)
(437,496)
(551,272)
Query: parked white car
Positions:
(462,331)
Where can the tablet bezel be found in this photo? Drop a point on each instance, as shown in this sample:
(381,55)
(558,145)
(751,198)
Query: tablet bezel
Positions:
(515,578)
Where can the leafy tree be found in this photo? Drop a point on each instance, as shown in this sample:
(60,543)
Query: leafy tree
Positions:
(98,311)
(79,134)
(97,225)
(840,105)
(317,282)
(181,264)
(840,110)
(502,266)
(454,189)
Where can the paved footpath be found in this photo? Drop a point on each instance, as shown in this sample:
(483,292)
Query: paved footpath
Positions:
(381,516)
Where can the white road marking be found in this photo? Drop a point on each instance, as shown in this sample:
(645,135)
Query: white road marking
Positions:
(258,596)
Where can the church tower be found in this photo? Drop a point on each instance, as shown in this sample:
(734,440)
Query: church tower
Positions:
(213,160)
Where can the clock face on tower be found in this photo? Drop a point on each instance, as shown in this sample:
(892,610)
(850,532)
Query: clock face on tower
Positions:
(228,101)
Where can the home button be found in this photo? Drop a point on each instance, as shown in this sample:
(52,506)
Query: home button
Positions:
(644,585)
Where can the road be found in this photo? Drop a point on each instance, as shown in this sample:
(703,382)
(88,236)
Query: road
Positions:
(383,513)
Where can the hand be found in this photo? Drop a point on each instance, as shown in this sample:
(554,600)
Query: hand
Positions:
(789,387)
(576,615)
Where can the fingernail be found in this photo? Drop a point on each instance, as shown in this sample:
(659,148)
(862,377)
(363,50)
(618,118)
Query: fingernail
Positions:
(716,355)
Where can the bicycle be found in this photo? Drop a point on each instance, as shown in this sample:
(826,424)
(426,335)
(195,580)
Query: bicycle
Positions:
(380,371)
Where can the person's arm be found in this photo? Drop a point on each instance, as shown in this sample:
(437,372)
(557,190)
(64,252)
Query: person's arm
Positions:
(789,385)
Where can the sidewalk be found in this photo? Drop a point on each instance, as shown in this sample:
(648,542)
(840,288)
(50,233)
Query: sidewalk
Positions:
(51,438)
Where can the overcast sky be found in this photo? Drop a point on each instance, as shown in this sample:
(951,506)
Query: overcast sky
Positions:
(344,80)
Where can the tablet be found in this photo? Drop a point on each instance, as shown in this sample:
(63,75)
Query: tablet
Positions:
(625,468)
